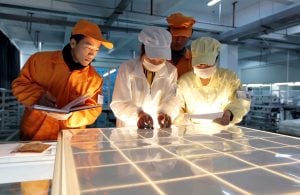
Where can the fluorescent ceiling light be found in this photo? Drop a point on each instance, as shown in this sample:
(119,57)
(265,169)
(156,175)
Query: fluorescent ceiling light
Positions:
(213,2)
(105,74)
(273,84)
(257,85)
(294,84)
(110,72)
(278,84)
(289,83)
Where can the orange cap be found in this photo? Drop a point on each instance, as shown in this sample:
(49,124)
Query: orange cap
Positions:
(180,25)
(89,29)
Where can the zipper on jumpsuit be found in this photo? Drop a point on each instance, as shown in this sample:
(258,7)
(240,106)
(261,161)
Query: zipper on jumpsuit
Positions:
(149,86)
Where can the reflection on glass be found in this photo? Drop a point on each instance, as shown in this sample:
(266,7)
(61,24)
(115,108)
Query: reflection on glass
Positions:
(166,156)
(145,133)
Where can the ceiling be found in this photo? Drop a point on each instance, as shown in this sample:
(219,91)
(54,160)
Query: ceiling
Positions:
(264,30)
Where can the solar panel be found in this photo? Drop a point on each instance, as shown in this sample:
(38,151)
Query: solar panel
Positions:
(179,160)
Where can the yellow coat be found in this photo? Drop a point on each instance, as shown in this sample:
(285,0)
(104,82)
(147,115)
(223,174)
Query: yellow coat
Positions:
(47,72)
(220,94)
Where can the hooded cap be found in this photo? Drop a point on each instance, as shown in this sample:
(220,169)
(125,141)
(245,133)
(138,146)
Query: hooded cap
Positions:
(180,25)
(157,42)
(205,51)
(89,29)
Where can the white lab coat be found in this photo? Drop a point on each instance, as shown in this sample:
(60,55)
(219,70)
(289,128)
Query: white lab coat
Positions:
(133,93)
(220,94)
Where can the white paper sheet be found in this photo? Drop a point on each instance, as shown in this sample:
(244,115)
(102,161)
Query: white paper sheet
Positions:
(210,116)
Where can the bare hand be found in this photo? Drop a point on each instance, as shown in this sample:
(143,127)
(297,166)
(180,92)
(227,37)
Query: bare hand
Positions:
(47,100)
(164,120)
(225,119)
(145,121)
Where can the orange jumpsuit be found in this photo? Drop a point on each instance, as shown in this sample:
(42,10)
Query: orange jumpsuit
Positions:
(184,64)
(48,72)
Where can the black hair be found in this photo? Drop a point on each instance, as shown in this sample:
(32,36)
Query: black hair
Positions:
(217,59)
(77,37)
(142,50)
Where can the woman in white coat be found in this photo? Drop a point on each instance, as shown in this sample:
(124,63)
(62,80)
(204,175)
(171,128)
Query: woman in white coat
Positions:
(145,88)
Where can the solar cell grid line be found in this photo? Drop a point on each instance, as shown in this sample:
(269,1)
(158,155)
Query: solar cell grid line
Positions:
(263,149)
(247,129)
(98,166)
(252,139)
(216,175)
(90,167)
(83,152)
(235,171)
(103,155)
(268,135)
(114,164)
(254,147)
(220,179)
(208,173)
(288,163)
(266,150)
(95,189)
(122,163)
(138,169)
(260,167)
(292,141)
(180,178)
(253,134)
(276,142)
(285,145)
(291,149)
(259,133)
(268,141)
(263,144)
(278,135)
(294,159)
(142,184)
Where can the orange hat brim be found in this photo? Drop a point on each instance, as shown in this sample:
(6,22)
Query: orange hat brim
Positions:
(92,30)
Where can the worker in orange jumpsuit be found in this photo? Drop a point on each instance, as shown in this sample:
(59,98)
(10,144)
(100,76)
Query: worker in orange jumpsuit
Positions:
(181,29)
(56,78)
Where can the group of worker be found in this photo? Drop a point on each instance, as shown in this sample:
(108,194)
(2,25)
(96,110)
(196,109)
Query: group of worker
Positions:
(157,89)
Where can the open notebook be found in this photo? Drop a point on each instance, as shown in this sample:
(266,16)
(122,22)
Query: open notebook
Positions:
(74,105)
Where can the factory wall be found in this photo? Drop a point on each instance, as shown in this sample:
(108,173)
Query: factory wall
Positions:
(270,74)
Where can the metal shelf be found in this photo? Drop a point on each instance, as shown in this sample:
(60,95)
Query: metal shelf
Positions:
(10,114)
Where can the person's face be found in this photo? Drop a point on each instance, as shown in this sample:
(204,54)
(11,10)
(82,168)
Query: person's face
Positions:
(203,66)
(155,61)
(85,50)
(178,42)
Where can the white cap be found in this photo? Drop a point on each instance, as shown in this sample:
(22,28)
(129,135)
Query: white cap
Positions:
(205,51)
(157,42)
